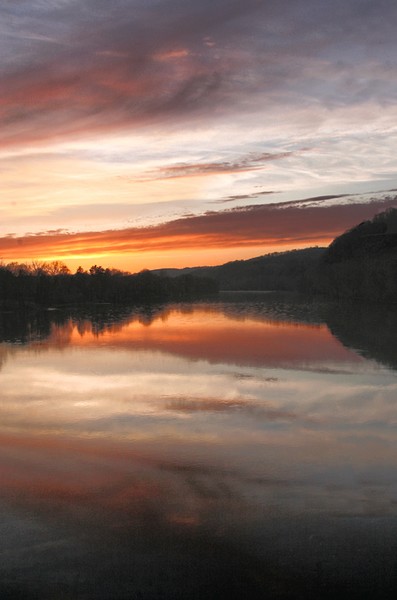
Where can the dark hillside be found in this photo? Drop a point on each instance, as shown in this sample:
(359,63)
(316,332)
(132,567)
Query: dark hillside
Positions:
(371,333)
(361,264)
(369,238)
(279,271)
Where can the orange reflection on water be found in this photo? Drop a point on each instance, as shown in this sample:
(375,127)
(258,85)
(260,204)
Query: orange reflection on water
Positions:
(209,334)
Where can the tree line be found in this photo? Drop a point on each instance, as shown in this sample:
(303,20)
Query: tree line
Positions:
(52,283)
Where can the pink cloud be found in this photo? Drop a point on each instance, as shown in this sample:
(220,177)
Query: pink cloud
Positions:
(298,223)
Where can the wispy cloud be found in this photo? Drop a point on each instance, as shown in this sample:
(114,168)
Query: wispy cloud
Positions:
(135,62)
(252,162)
(116,67)
(239,197)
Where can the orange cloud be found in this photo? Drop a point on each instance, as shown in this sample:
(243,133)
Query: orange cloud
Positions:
(299,224)
(172,54)
(105,81)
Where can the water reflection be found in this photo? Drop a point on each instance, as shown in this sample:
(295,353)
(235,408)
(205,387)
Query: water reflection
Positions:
(208,451)
(298,325)
(370,331)
(207,332)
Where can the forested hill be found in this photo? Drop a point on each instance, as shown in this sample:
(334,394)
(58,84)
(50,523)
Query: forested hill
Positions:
(362,262)
(280,271)
(369,238)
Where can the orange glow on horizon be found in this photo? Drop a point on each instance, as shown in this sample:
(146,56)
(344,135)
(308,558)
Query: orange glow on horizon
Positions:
(211,238)
(135,261)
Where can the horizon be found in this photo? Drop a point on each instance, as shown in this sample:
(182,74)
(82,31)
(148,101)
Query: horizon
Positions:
(38,263)
(147,135)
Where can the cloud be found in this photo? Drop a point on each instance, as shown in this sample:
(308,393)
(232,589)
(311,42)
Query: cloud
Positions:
(115,67)
(251,162)
(239,197)
(299,223)
(69,69)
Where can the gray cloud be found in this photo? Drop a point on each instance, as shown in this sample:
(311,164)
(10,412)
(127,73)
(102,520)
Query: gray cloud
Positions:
(69,68)
(239,197)
(251,162)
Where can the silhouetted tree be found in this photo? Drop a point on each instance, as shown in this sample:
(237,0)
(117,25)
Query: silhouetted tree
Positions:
(45,284)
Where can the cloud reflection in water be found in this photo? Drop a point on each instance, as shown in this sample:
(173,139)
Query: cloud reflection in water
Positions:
(143,446)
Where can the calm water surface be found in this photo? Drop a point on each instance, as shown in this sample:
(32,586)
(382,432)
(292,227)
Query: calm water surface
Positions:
(238,449)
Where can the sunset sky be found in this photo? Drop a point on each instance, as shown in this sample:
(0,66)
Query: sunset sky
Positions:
(142,134)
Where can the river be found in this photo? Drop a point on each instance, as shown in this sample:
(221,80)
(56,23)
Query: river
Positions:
(241,448)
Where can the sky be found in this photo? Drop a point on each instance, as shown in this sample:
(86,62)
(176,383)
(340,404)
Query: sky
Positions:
(144,134)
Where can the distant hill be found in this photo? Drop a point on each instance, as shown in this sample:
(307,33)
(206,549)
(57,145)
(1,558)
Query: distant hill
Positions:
(279,271)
